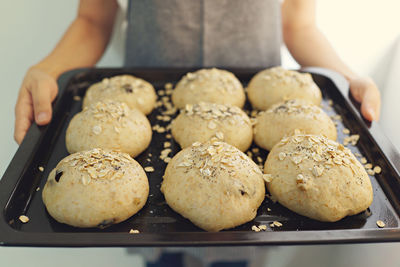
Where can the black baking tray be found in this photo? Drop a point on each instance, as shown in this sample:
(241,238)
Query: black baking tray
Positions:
(159,225)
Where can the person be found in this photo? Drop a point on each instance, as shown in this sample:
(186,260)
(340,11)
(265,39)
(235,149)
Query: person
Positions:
(87,37)
(179,33)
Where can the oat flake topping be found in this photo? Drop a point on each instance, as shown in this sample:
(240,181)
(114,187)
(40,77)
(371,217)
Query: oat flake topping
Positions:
(213,112)
(100,164)
(223,81)
(212,157)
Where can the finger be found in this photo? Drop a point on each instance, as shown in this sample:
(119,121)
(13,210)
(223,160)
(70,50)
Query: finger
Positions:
(357,91)
(42,97)
(371,103)
(23,115)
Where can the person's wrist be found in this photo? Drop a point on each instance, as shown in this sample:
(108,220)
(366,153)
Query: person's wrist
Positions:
(48,69)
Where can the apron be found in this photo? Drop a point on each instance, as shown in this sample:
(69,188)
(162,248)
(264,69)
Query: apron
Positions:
(203,33)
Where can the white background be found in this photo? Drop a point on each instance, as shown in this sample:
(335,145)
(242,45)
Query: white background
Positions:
(366,33)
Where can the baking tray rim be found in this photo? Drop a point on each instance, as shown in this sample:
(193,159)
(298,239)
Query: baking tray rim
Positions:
(34,135)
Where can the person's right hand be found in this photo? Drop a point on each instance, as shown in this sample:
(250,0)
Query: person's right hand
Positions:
(37,92)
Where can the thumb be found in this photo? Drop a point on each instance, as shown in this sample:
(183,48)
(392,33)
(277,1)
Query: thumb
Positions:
(370,105)
(42,98)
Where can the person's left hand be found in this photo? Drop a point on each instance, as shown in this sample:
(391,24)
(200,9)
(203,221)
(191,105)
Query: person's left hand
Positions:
(365,91)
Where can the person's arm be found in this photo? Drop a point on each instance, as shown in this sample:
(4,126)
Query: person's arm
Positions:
(82,45)
(309,47)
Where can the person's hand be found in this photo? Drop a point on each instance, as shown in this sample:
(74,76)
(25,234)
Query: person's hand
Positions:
(365,91)
(37,92)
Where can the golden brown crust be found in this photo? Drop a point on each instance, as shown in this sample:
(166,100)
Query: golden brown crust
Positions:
(209,85)
(277,84)
(111,125)
(201,122)
(283,118)
(95,188)
(318,178)
(214,185)
(135,92)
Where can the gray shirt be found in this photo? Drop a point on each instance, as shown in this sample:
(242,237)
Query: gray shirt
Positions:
(203,33)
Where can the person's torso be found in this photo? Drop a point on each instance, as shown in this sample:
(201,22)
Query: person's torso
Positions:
(203,33)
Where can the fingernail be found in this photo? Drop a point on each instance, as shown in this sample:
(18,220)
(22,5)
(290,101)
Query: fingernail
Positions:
(42,117)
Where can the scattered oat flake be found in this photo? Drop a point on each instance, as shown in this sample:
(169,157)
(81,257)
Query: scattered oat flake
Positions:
(24,219)
(41,168)
(363,160)
(149,169)
(255,228)
(77,98)
(167,144)
(277,224)
(268,209)
(168,86)
(371,172)
(346,131)
(377,169)
(167,159)
(166,118)
(262,227)
(168,136)
(368,166)
(380,223)
(133,231)
(160,130)
(37,189)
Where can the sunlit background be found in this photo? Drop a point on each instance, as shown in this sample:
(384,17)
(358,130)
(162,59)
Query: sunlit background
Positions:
(366,34)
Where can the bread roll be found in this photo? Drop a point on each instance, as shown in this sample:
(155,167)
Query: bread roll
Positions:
(317,178)
(214,185)
(277,84)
